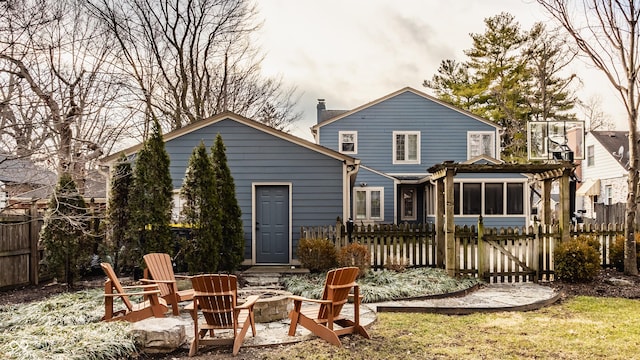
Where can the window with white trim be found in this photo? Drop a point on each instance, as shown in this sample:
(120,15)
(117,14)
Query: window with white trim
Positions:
(481,143)
(608,194)
(368,203)
(490,198)
(348,142)
(408,204)
(406,147)
(590,155)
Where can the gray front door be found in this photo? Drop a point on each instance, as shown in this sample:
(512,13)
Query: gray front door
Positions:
(272,224)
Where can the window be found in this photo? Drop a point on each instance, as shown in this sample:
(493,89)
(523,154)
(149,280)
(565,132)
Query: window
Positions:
(493,199)
(456,199)
(515,199)
(406,147)
(480,143)
(488,198)
(348,142)
(368,203)
(471,198)
(408,204)
(608,195)
(590,155)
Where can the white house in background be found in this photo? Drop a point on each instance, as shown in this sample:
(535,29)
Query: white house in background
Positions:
(604,170)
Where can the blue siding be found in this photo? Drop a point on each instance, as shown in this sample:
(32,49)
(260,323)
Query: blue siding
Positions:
(443,132)
(373,179)
(255,156)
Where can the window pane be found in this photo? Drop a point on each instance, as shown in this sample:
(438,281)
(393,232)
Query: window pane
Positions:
(375,204)
(400,147)
(361,205)
(493,199)
(456,199)
(515,199)
(487,144)
(412,147)
(471,199)
(348,147)
(408,203)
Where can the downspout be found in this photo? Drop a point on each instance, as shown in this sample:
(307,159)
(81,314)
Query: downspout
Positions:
(351,170)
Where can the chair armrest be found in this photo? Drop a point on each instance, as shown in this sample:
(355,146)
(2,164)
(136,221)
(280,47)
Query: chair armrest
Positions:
(152,292)
(251,300)
(183,277)
(300,298)
(149,286)
(158,281)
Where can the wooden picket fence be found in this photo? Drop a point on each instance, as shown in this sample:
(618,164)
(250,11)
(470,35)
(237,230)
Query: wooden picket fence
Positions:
(496,255)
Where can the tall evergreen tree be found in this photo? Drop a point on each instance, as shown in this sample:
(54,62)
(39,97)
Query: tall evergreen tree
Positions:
(119,214)
(202,212)
(151,197)
(232,233)
(64,234)
(511,76)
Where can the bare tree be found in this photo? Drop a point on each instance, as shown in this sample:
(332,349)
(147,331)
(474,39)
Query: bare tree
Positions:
(607,33)
(595,117)
(191,60)
(60,91)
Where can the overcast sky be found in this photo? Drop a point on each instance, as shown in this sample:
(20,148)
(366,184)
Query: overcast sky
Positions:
(351,52)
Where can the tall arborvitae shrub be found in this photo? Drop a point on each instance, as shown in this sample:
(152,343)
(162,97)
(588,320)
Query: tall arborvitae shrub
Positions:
(120,242)
(64,235)
(232,233)
(201,212)
(151,197)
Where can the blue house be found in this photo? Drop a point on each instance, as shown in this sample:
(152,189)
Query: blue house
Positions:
(282,182)
(398,137)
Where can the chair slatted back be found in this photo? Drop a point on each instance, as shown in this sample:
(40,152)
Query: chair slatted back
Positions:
(115,284)
(337,287)
(216,296)
(160,268)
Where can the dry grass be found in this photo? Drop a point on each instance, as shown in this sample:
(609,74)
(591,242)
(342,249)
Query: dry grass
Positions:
(581,328)
(65,326)
(386,285)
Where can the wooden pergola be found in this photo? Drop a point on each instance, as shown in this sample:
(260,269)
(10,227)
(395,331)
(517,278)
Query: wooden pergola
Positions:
(443,175)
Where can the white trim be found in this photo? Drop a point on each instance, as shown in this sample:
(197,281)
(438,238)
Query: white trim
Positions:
(504,181)
(394,159)
(355,141)
(368,190)
(493,140)
(254,185)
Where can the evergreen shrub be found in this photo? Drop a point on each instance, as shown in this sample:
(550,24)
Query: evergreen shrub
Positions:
(317,255)
(577,260)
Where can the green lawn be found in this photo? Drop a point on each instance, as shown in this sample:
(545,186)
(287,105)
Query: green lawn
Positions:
(580,328)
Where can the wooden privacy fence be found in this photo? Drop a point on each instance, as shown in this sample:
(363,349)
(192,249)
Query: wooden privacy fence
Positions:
(19,255)
(495,255)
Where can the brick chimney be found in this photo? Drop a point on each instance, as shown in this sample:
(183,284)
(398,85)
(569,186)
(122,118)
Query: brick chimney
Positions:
(320,108)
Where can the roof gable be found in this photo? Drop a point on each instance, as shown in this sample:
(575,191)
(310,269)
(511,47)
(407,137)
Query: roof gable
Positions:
(227,115)
(343,114)
(616,143)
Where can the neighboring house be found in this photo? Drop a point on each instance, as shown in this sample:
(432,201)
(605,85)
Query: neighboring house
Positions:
(398,137)
(21,181)
(282,182)
(604,170)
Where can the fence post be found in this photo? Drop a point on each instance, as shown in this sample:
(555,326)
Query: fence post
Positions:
(483,265)
(34,256)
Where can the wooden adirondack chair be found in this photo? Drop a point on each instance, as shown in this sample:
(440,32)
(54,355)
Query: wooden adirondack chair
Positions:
(216,297)
(321,317)
(153,306)
(160,271)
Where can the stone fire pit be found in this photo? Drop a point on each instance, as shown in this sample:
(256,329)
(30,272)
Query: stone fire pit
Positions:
(273,305)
